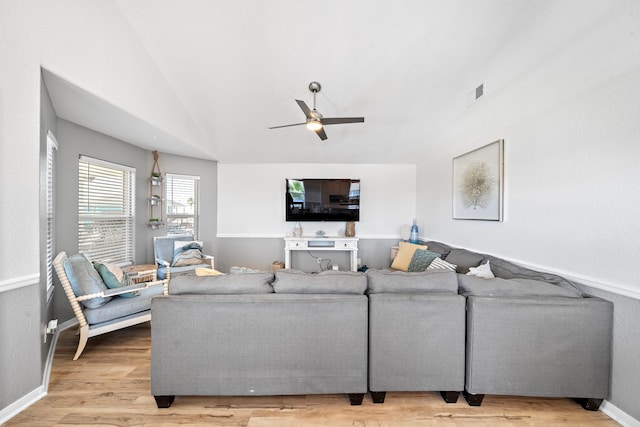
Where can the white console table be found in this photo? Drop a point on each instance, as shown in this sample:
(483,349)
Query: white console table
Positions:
(321,244)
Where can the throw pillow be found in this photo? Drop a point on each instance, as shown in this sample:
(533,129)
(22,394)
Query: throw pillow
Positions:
(483,271)
(114,277)
(405,254)
(421,260)
(438,264)
(187,253)
(85,280)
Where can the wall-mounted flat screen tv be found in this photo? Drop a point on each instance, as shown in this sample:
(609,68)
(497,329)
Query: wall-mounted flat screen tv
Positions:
(320,199)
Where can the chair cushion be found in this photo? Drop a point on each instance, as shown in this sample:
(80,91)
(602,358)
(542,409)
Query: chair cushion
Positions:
(176,271)
(85,279)
(428,281)
(249,283)
(121,307)
(327,282)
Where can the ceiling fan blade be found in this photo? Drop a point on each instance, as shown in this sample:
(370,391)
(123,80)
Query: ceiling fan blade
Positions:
(341,120)
(304,108)
(321,134)
(286,126)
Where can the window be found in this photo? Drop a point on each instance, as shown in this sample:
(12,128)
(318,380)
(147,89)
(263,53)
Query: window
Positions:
(52,147)
(105,210)
(183,210)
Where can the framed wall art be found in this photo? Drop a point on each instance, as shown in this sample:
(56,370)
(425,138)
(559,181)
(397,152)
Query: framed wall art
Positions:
(478,183)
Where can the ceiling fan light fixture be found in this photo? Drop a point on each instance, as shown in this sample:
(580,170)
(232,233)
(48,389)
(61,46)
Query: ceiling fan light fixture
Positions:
(314,124)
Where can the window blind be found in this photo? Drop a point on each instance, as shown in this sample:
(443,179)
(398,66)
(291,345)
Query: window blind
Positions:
(105,211)
(183,204)
(52,147)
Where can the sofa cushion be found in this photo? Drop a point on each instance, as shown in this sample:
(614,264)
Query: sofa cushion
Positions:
(498,287)
(405,254)
(508,270)
(428,281)
(421,260)
(85,280)
(250,283)
(464,259)
(120,307)
(327,282)
(113,277)
(438,247)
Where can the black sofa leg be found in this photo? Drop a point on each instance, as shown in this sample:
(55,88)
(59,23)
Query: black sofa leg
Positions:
(473,399)
(164,401)
(450,396)
(590,404)
(356,398)
(378,396)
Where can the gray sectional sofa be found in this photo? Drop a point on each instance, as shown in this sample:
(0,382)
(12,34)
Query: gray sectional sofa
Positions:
(241,335)
(522,332)
(531,333)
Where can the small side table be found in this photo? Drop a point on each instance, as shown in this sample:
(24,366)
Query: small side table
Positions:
(141,273)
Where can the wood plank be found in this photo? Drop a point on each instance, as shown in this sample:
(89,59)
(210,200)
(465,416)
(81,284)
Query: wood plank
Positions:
(109,385)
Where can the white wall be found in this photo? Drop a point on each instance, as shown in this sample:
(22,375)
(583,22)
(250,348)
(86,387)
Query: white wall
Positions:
(251,198)
(567,105)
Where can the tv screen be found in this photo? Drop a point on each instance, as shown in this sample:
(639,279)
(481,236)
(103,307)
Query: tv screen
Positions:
(322,199)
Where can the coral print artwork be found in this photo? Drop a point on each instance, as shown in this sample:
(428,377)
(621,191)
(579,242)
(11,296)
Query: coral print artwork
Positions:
(477,183)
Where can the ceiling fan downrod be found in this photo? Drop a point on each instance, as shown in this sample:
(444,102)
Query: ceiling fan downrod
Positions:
(314,87)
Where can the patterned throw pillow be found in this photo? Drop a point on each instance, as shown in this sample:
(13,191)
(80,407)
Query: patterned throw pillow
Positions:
(113,277)
(187,253)
(438,263)
(421,260)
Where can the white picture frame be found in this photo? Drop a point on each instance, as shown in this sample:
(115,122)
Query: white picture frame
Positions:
(478,178)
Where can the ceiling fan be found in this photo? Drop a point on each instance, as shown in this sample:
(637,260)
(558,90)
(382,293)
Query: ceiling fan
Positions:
(315,121)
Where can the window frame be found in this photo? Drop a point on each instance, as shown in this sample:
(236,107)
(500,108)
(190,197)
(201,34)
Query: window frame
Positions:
(117,229)
(168,179)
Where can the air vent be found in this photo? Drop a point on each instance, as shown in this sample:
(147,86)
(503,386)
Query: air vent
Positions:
(475,94)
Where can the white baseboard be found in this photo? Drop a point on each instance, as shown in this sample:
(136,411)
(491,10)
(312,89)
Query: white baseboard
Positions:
(21,404)
(618,415)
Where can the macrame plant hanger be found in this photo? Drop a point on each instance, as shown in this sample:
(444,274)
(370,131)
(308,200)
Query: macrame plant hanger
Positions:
(156,165)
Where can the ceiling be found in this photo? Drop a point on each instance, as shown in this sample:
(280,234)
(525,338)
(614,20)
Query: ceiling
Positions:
(407,66)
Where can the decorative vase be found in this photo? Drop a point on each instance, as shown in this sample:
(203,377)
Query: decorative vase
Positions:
(350,229)
(297,231)
(414,233)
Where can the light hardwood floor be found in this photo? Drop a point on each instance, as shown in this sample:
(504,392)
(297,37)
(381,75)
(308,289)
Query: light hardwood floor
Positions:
(109,386)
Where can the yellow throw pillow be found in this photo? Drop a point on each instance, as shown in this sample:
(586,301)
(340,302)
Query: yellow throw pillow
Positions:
(405,254)
(203,271)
